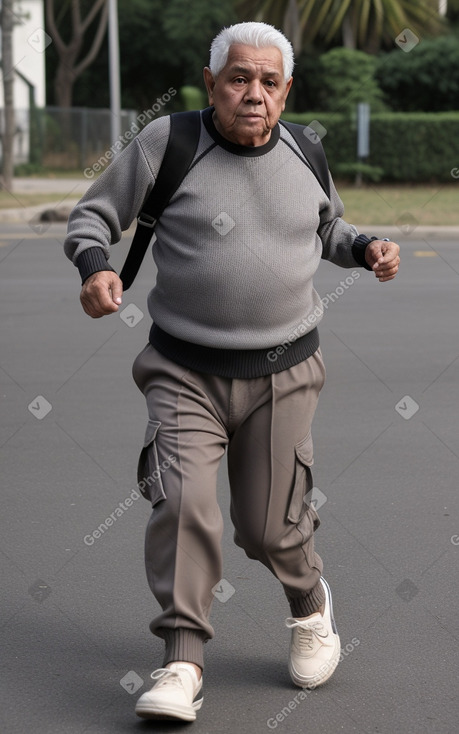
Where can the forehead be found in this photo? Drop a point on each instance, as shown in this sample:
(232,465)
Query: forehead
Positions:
(255,59)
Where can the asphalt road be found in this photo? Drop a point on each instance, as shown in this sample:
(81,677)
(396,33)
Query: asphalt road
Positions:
(76,648)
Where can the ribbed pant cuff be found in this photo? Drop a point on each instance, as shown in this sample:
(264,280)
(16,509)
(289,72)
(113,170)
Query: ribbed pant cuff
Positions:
(303,606)
(183,644)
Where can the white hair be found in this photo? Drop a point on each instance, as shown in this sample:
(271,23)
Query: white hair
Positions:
(259,35)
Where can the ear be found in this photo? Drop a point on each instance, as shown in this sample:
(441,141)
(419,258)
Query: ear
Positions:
(287,90)
(209,81)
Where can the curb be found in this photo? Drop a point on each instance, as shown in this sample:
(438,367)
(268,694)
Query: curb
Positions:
(26,215)
(421,232)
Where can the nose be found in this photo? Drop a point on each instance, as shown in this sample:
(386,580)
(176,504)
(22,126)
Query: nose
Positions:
(253,93)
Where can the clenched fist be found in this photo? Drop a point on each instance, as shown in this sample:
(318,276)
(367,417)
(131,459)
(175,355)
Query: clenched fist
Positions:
(101,294)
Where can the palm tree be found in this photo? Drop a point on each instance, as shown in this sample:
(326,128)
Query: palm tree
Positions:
(363,24)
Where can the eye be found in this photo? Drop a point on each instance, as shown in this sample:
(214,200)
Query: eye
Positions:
(269,83)
(239,80)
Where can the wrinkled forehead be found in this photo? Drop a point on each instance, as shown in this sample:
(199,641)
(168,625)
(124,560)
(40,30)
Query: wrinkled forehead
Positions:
(243,58)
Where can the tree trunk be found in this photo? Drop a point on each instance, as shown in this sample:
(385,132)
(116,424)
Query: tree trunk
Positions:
(69,68)
(8,84)
(63,84)
(63,89)
(349,40)
(291,25)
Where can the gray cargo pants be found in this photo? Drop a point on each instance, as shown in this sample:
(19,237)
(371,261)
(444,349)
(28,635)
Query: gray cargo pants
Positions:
(265,424)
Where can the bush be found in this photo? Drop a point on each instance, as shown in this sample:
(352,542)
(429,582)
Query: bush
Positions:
(425,79)
(337,80)
(352,171)
(417,147)
(29,169)
(193,98)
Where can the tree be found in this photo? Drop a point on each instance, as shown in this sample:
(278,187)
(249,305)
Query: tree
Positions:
(189,29)
(163,44)
(363,24)
(70,65)
(424,80)
(346,77)
(8,83)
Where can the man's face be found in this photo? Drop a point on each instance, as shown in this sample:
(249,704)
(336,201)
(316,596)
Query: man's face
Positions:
(248,94)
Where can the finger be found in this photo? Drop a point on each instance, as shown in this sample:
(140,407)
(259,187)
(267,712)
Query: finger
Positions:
(387,274)
(117,290)
(387,264)
(101,294)
(391,250)
(95,306)
(103,300)
(90,307)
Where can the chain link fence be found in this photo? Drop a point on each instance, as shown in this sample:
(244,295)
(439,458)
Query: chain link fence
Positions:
(67,139)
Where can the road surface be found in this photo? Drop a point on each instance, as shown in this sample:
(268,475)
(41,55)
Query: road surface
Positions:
(76,648)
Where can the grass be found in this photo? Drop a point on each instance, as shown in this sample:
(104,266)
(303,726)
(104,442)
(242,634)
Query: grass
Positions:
(373,204)
(382,204)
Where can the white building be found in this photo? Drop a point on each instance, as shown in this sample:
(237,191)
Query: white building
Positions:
(30,42)
(29,50)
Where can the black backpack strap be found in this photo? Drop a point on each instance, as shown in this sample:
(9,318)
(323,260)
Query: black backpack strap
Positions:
(181,147)
(311,147)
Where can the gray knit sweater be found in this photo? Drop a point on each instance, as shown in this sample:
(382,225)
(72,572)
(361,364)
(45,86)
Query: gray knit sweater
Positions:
(238,245)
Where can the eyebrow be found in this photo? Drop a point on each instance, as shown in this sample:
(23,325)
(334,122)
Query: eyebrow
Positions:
(237,69)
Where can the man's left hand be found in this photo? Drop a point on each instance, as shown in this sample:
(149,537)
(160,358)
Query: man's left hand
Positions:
(383,258)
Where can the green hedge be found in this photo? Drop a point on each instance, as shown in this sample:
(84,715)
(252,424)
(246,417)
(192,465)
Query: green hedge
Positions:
(414,146)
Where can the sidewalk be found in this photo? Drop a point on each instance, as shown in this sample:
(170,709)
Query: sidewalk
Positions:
(26,185)
(72,189)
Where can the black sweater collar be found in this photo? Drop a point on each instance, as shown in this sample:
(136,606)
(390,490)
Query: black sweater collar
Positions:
(249,151)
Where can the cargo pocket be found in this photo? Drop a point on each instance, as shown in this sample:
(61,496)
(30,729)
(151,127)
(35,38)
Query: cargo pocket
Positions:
(301,512)
(149,475)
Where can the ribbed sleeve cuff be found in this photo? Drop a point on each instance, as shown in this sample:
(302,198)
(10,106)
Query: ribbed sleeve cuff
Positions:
(90,261)
(358,249)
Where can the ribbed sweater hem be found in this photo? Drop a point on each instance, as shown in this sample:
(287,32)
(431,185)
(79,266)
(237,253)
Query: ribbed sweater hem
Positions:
(234,363)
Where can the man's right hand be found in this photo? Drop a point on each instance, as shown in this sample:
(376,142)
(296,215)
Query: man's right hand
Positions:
(101,294)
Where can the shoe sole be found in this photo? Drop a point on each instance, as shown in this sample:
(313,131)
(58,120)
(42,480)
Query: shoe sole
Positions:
(184,713)
(315,681)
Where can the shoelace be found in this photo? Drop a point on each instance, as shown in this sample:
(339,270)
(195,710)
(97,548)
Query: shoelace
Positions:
(307,632)
(163,675)
(306,635)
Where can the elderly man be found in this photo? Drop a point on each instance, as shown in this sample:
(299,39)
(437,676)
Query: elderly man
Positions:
(236,251)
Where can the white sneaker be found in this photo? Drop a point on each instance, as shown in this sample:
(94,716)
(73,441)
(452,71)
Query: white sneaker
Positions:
(315,646)
(173,696)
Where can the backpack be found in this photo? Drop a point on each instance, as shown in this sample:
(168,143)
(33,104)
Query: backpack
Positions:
(185,129)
